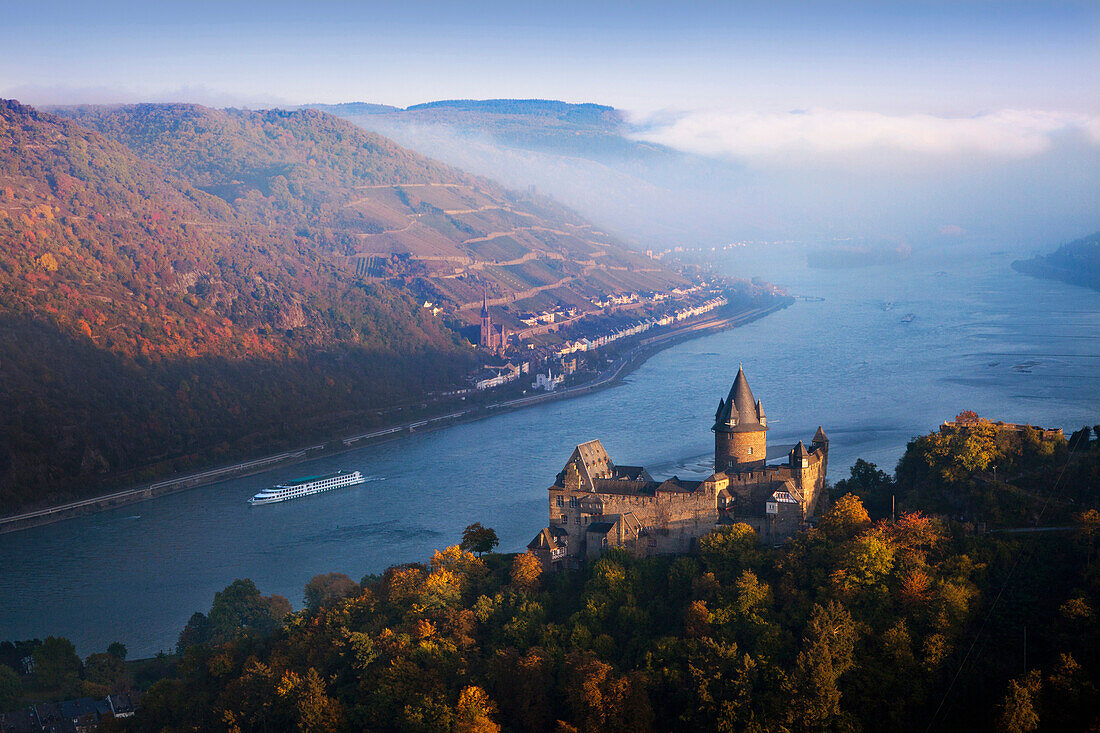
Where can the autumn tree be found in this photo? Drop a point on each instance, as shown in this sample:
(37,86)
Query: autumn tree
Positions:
(311,709)
(476,538)
(1018,713)
(845,519)
(526,571)
(696,619)
(602,700)
(475,711)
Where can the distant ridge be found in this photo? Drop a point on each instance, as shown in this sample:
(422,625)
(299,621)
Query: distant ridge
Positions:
(1076,263)
(575,112)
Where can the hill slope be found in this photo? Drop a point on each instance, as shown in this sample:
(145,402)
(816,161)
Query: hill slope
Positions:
(182,285)
(588,156)
(1076,263)
(450,236)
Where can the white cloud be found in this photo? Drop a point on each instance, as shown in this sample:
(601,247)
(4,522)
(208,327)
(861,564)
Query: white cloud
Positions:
(817,132)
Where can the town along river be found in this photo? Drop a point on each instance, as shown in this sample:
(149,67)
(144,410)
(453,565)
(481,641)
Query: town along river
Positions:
(981,337)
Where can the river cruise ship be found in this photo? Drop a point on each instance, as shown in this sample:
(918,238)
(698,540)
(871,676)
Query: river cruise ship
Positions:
(306,486)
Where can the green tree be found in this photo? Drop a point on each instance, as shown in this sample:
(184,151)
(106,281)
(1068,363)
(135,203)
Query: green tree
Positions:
(57,667)
(872,486)
(476,538)
(238,609)
(117,649)
(867,561)
(827,653)
(326,589)
(727,550)
(104,674)
(11,688)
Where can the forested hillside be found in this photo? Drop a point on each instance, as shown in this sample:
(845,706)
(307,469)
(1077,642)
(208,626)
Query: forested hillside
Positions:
(1077,263)
(448,235)
(180,285)
(866,622)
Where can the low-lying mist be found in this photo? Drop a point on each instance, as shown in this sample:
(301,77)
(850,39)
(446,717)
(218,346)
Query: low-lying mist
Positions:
(1017,181)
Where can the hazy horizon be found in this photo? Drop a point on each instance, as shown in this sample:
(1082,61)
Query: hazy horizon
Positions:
(980,120)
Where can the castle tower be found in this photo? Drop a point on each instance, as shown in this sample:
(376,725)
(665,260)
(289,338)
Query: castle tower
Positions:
(820,444)
(486,341)
(740,428)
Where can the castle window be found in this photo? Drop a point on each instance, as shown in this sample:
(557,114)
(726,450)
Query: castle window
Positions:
(750,450)
(573,502)
(564,519)
(576,520)
(561,501)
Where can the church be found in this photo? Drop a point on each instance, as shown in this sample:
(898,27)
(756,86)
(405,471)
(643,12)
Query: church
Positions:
(492,339)
(596,504)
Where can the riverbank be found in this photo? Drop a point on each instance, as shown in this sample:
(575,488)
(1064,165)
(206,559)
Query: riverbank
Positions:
(611,376)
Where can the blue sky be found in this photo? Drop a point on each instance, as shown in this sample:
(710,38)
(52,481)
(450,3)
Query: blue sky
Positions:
(952,58)
(857,118)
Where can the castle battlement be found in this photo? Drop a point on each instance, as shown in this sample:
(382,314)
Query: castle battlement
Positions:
(596,504)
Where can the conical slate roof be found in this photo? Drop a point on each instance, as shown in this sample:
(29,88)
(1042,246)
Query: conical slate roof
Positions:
(819,436)
(739,412)
(800,451)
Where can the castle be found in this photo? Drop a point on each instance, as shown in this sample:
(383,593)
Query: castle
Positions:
(595,504)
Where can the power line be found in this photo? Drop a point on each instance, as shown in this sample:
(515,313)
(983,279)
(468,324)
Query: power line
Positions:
(1004,586)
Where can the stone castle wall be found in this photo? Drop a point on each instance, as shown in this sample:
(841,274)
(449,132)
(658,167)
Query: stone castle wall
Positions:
(675,518)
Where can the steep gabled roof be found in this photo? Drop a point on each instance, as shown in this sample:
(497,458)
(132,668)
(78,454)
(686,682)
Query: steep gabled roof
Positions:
(544,540)
(592,462)
(819,436)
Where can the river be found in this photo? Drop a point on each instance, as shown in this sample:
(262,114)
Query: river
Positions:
(982,337)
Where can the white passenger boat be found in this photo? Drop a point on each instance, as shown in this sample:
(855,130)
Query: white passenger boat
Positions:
(306,486)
